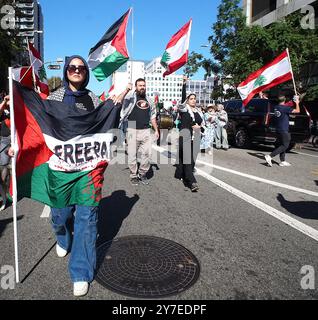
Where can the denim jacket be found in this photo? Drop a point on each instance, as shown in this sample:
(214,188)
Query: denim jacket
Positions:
(128,106)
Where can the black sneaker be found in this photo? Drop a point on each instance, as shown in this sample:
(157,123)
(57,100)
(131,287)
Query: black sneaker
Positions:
(144,180)
(194,187)
(134,181)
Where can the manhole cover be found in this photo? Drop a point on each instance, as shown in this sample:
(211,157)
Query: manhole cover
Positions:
(146,267)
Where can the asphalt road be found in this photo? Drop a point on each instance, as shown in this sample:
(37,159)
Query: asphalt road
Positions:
(252,237)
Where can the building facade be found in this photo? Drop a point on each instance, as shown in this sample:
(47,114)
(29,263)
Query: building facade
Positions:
(266,12)
(30,23)
(168,89)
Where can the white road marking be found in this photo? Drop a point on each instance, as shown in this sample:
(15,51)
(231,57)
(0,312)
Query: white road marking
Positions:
(292,222)
(274,183)
(306,154)
(305,229)
(46,212)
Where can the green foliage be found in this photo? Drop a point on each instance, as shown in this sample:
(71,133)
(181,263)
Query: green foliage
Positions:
(241,50)
(10,48)
(54,83)
(194,63)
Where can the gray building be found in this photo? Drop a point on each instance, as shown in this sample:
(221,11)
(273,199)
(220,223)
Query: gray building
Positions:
(265,12)
(30,23)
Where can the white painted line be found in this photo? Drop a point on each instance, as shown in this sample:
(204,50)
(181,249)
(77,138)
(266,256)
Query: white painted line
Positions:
(292,222)
(305,229)
(46,212)
(306,154)
(274,183)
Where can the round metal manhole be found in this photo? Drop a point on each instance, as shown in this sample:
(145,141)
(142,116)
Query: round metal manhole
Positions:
(146,267)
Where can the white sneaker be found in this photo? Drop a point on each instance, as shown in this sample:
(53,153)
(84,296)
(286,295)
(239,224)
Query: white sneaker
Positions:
(284,164)
(80,288)
(269,160)
(60,251)
(210,153)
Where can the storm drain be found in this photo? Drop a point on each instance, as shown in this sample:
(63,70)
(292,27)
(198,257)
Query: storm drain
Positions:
(146,267)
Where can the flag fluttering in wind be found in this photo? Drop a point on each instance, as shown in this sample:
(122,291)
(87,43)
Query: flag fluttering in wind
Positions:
(24,76)
(41,82)
(271,75)
(63,151)
(111,51)
(177,50)
(104,96)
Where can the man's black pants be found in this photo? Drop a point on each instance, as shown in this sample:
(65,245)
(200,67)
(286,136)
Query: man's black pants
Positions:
(284,139)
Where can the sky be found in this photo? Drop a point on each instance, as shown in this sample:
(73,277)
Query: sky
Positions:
(75,26)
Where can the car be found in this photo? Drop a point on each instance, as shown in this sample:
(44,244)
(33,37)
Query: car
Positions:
(255,123)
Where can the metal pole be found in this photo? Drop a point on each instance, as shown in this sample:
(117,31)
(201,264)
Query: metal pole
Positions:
(14,180)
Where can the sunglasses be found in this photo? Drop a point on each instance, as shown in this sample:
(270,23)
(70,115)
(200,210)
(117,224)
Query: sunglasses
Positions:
(72,69)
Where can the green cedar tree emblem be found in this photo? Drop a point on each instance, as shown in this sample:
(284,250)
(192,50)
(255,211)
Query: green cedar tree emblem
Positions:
(260,81)
(165,59)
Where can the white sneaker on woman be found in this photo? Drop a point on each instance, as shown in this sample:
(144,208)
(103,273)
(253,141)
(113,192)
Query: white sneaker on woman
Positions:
(80,288)
(60,251)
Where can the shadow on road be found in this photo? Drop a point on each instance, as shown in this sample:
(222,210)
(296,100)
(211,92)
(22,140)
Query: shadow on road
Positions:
(302,209)
(113,211)
(316,182)
(4,223)
(261,156)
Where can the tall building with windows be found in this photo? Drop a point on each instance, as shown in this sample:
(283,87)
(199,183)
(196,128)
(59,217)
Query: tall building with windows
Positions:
(169,89)
(265,12)
(29,21)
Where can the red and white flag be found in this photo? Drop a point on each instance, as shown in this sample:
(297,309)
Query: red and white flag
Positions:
(24,76)
(37,64)
(105,96)
(177,51)
(271,75)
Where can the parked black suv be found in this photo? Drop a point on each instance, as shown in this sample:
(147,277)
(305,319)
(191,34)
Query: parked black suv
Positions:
(256,123)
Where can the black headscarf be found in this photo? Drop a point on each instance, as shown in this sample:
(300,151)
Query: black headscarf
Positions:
(70,95)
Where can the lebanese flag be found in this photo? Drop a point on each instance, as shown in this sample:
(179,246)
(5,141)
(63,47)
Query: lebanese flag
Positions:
(39,71)
(274,73)
(177,50)
(63,151)
(104,96)
(111,51)
(24,76)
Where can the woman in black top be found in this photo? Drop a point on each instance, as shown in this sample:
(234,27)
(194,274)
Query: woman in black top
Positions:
(189,141)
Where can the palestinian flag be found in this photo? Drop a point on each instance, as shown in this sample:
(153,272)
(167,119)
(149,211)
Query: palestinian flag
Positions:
(271,75)
(63,151)
(39,71)
(111,51)
(177,51)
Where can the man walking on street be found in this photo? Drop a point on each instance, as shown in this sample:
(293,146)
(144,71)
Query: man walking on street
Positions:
(139,111)
(282,113)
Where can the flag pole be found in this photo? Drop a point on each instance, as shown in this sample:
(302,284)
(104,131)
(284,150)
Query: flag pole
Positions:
(292,72)
(132,42)
(13,177)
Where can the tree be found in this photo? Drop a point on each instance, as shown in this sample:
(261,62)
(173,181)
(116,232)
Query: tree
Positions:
(240,49)
(11,44)
(193,65)
(54,83)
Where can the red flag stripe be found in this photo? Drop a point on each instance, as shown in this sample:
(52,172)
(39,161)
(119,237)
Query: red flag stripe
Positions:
(177,36)
(177,64)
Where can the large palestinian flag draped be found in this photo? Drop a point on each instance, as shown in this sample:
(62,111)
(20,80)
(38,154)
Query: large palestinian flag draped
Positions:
(177,50)
(271,75)
(111,51)
(63,151)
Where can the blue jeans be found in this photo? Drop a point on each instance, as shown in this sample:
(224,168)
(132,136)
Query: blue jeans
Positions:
(82,243)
